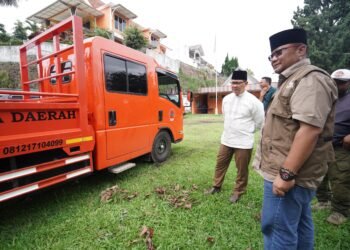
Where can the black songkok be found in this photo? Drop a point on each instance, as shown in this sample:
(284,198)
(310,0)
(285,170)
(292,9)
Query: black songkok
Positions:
(239,75)
(286,37)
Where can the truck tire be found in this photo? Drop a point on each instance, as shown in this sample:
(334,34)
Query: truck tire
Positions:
(161,147)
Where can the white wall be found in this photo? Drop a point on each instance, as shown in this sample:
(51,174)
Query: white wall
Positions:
(165,61)
(11,53)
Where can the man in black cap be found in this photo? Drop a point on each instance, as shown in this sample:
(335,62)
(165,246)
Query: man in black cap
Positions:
(296,142)
(243,115)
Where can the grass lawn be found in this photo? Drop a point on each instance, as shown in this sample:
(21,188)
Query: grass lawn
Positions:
(162,205)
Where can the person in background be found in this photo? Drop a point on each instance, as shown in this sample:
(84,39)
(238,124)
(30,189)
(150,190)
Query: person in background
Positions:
(338,195)
(266,92)
(296,143)
(243,115)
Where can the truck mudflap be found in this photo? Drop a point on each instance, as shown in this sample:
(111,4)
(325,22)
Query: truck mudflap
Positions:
(43,175)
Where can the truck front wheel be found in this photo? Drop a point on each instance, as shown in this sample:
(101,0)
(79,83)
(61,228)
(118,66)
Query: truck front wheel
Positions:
(161,147)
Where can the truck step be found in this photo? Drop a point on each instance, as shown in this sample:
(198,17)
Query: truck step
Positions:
(122,167)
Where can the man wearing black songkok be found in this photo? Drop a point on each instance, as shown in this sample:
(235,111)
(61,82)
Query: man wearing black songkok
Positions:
(296,142)
(243,115)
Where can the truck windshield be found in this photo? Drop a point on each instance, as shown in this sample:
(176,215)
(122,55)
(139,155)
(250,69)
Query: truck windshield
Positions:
(169,87)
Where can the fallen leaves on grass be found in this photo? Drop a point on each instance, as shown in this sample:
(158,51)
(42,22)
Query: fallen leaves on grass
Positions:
(106,195)
(160,190)
(211,239)
(148,232)
(257,217)
(176,195)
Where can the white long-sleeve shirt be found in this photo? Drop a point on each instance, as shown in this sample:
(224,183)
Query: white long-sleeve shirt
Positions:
(243,115)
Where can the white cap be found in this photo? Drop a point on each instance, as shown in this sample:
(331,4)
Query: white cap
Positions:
(341,74)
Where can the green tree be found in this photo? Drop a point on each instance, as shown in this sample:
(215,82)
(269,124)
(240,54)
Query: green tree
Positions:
(2,28)
(134,38)
(19,31)
(4,37)
(229,65)
(33,28)
(327,24)
(4,79)
(98,32)
(103,33)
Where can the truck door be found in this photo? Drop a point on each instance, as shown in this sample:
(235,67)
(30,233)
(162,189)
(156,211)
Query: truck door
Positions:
(126,105)
(170,103)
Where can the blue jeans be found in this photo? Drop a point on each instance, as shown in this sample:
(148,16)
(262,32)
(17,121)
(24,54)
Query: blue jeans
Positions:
(286,221)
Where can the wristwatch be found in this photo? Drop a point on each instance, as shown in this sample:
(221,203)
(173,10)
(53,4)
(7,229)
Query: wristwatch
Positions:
(286,174)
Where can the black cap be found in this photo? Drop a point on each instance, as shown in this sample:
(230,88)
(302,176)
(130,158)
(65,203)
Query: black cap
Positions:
(239,75)
(288,36)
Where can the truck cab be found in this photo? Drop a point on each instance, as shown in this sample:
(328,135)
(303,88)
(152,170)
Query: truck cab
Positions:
(95,104)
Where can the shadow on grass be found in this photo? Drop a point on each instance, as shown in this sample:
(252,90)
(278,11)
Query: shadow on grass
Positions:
(63,194)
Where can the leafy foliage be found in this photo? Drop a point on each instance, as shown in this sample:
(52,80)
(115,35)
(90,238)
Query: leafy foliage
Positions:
(134,38)
(229,65)
(103,33)
(4,37)
(19,31)
(327,23)
(193,83)
(99,32)
(4,79)
(2,28)
(33,28)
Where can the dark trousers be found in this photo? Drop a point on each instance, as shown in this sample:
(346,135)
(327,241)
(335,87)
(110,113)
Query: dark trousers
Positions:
(324,193)
(335,187)
(242,158)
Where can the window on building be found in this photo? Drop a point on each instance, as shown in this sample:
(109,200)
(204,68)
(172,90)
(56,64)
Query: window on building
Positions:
(87,25)
(125,76)
(119,23)
(191,53)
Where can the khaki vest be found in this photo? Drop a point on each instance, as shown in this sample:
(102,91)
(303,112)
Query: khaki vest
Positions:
(280,129)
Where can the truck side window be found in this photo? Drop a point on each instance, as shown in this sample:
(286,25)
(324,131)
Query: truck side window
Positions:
(169,88)
(115,74)
(65,67)
(125,76)
(137,78)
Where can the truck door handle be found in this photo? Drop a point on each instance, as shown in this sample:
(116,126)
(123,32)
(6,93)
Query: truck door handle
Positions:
(160,115)
(112,118)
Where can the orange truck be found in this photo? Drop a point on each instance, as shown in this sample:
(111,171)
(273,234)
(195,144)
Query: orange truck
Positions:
(92,105)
